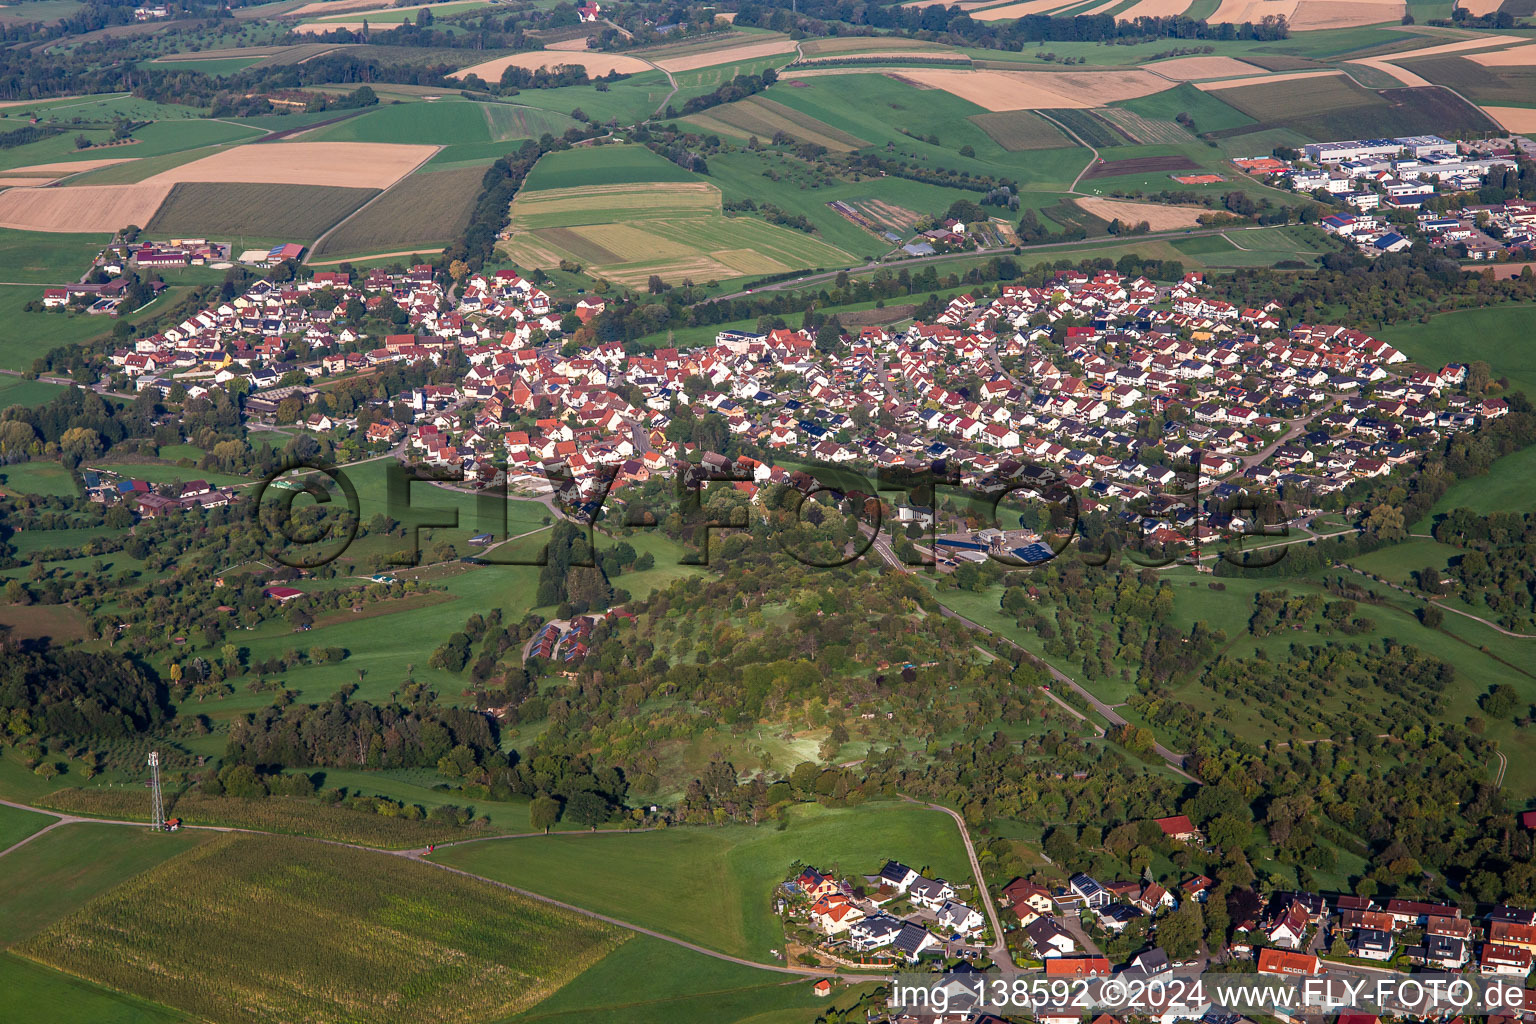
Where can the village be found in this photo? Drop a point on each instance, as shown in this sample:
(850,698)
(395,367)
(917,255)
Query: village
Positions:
(899,919)
(1050,385)
(1402,189)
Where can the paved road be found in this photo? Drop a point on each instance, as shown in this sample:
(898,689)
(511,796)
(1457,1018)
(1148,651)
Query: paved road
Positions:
(999,951)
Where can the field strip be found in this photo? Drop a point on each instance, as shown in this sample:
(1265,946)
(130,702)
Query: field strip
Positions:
(1479,43)
(597,64)
(1386,67)
(341,164)
(1192,69)
(318,242)
(9,182)
(1154,9)
(1515,119)
(69,166)
(729,55)
(1237,83)
(1159,217)
(373,256)
(1514,56)
(82,208)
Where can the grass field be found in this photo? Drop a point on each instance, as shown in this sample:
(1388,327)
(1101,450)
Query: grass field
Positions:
(1499,335)
(1509,485)
(16,825)
(17,391)
(46,257)
(56,874)
(1513,85)
(1208,112)
(630,876)
(299,212)
(648,981)
(426,209)
(1090,127)
(763,118)
(437,122)
(602,165)
(383,939)
(37,478)
(507,121)
(35,992)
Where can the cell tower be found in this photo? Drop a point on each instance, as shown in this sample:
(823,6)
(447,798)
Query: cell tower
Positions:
(154,786)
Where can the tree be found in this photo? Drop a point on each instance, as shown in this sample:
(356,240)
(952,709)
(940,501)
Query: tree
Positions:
(1179,933)
(1385,523)
(543,812)
(588,808)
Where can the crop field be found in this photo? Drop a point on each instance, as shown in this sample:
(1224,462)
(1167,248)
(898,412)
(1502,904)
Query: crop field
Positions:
(1206,109)
(1332,107)
(764,118)
(597,64)
(755,49)
(675,231)
(1018,130)
(507,121)
(54,875)
(1145,130)
(300,212)
(436,122)
(1510,85)
(383,938)
(87,208)
(428,208)
(627,874)
(1140,165)
(1158,216)
(1091,128)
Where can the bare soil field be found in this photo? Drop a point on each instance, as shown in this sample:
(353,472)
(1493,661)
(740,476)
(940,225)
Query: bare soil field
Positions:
(567,45)
(1239,11)
(1160,217)
(596,64)
(1235,83)
(1193,69)
(1514,56)
(321,9)
(1154,9)
(729,55)
(1515,119)
(85,208)
(343,164)
(1386,67)
(1312,15)
(1038,90)
(9,182)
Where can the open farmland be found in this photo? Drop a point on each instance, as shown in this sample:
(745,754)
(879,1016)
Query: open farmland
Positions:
(94,208)
(1158,216)
(253,210)
(597,64)
(429,208)
(1033,90)
(339,164)
(1145,130)
(506,122)
(675,230)
(1497,85)
(1140,165)
(1193,69)
(1018,130)
(1333,107)
(730,55)
(434,122)
(601,165)
(260,928)
(764,118)
(1090,127)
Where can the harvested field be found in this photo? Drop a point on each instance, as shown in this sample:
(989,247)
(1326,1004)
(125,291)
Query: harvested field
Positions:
(1154,9)
(763,117)
(597,64)
(1017,130)
(729,55)
(1514,56)
(1140,165)
(1515,119)
(1036,90)
(579,43)
(384,939)
(1478,8)
(1478,43)
(337,164)
(82,208)
(69,166)
(600,203)
(1161,218)
(1193,69)
(1239,11)
(1019,10)
(10,182)
(898,218)
(326,7)
(1314,15)
(1386,67)
(1238,83)
(265,211)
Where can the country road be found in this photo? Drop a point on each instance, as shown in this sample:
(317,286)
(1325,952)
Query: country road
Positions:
(999,952)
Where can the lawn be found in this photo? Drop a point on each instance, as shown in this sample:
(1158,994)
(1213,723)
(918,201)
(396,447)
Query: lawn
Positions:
(48,478)
(26,336)
(17,391)
(38,993)
(1509,484)
(56,874)
(384,939)
(16,825)
(634,876)
(46,257)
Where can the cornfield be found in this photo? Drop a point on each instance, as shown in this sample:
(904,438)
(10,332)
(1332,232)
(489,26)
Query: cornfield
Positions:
(248,929)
